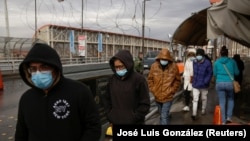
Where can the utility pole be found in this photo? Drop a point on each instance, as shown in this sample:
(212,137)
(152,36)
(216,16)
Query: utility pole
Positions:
(85,56)
(35,21)
(82,19)
(143,24)
(7,19)
(143,29)
(6,52)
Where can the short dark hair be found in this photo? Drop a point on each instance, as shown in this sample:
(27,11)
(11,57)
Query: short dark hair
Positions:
(224,51)
(236,56)
(200,51)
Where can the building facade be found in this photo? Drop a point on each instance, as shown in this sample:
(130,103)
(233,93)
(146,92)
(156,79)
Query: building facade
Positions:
(90,44)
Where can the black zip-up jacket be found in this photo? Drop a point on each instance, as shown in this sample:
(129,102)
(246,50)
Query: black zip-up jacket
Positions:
(67,112)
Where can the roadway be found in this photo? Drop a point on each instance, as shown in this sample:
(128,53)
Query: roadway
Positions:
(9,97)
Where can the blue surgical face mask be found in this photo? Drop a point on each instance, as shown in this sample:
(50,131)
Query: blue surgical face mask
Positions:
(163,62)
(199,57)
(121,72)
(42,80)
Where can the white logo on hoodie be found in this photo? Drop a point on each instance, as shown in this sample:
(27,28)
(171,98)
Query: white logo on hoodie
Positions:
(61,109)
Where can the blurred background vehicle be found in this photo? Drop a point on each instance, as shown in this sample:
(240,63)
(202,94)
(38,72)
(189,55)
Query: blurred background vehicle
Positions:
(149,59)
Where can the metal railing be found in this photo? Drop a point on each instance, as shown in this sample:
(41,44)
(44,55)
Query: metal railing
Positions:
(11,65)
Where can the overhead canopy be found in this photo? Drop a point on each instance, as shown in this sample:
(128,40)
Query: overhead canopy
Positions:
(230,18)
(193,30)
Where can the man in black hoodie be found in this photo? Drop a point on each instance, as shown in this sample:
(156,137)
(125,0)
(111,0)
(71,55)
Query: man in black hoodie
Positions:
(54,108)
(127,99)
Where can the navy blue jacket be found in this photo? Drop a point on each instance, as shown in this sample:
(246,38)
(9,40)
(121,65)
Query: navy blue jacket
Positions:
(203,73)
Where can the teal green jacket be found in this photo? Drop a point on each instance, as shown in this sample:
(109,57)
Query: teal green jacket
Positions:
(220,73)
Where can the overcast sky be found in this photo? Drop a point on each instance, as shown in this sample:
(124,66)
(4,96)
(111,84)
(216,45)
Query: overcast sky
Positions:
(162,17)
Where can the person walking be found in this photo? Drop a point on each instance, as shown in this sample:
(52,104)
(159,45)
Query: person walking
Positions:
(164,81)
(238,97)
(138,63)
(202,75)
(55,107)
(241,67)
(223,68)
(127,98)
(188,76)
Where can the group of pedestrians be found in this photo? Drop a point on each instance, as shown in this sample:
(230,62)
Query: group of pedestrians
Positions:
(197,76)
(58,108)
(198,72)
(54,105)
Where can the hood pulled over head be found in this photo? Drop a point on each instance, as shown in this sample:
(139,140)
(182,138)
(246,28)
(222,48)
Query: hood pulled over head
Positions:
(125,57)
(165,54)
(191,52)
(41,53)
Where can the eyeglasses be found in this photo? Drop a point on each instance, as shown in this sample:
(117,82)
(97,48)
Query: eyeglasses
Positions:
(119,67)
(40,68)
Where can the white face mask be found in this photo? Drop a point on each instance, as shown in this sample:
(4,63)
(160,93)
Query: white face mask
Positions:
(192,58)
(121,72)
(164,62)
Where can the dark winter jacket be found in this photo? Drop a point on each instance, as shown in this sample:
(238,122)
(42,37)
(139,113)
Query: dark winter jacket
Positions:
(127,100)
(67,112)
(241,67)
(203,73)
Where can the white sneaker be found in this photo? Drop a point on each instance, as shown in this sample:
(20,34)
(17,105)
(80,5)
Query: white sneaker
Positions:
(186,108)
(203,112)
